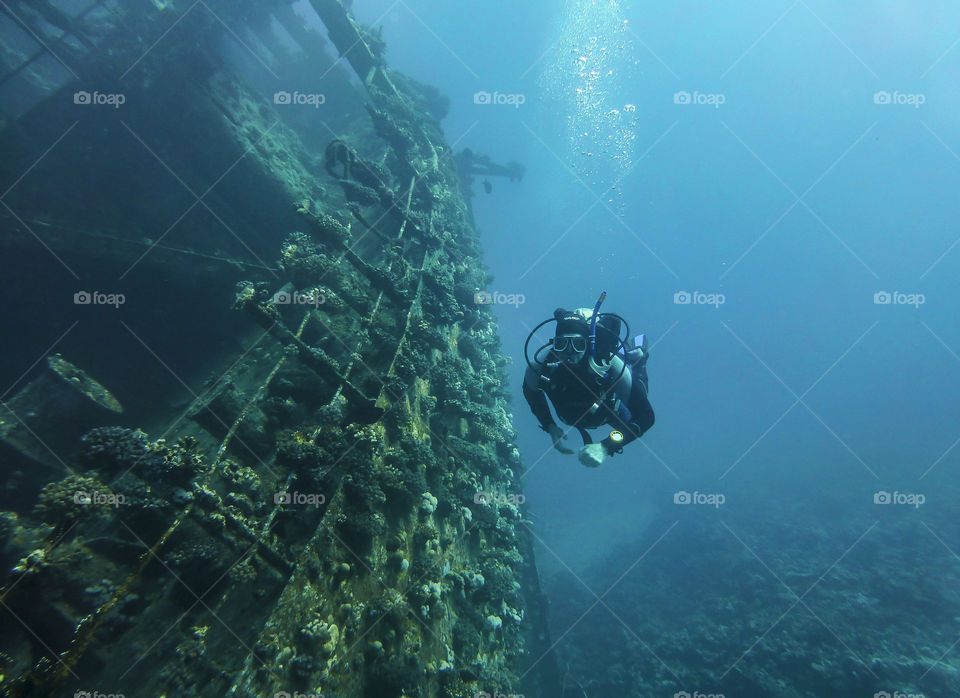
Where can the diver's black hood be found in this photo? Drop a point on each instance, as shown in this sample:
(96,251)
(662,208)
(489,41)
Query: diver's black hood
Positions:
(570,322)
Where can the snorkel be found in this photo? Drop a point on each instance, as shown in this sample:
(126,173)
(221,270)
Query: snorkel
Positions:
(593,326)
(602,370)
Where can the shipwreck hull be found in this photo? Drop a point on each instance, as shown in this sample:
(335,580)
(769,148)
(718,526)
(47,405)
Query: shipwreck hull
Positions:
(336,509)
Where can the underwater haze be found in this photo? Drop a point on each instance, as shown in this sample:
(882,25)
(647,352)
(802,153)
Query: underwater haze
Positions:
(767,192)
(791,168)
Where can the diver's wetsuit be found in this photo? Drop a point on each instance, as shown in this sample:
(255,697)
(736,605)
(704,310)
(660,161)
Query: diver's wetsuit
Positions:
(573,390)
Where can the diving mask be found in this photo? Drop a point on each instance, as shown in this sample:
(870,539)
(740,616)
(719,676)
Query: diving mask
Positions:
(570,344)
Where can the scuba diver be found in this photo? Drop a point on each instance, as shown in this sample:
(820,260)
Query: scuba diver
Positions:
(592,379)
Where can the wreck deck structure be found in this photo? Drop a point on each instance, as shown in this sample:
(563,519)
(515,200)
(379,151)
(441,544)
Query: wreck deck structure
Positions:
(337,510)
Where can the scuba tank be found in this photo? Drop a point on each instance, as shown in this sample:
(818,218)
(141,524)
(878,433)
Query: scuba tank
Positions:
(639,352)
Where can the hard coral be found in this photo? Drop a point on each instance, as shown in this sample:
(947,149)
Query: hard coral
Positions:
(111,449)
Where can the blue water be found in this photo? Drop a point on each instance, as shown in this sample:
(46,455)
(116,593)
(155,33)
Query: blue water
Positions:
(767,191)
(819,168)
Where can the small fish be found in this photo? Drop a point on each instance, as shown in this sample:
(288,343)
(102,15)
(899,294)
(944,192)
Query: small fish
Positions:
(487,187)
